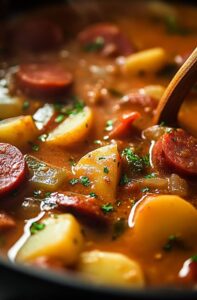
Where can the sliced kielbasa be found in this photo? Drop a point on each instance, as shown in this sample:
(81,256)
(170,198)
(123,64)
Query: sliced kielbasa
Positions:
(180,150)
(35,35)
(12,168)
(177,151)
(107,38)
(43,79)
(82,205)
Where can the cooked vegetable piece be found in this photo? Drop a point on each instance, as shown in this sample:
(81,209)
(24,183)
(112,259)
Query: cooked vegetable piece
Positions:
(105,38)
(61,238)
(124,124)
(9,106)
(93,164)
(43,116)
(18,131)
(46,262)
(44,176)
(159,217)
(73,129)
(43,79)
(6,222)
(154,91)
(87,206)
(111,268)
(12,168)
(150,60)
(187,116)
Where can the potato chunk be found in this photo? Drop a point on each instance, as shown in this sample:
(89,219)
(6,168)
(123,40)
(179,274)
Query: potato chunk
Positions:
(72,130)
(18,131)
(150,60)
(160,217)
(111,268)
(101,166)
(61,238)
(44,176)
(187,116)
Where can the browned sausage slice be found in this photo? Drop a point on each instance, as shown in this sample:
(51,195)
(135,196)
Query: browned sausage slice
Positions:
(80,204)
(43,79)
(158,157)
(180,150)
(35,35)
(12,168)
(106,38)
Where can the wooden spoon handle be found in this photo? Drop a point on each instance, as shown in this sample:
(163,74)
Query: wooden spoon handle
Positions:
(175,93)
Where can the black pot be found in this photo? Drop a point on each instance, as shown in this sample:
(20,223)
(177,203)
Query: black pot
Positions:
(22,282)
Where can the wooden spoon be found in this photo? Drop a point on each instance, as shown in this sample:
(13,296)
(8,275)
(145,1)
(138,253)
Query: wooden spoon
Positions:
(175,93)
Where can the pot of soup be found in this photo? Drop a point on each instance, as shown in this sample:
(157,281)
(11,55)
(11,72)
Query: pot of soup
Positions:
(94,200)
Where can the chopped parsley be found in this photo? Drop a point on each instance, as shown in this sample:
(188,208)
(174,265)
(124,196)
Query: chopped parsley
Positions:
(37,193)
(95,45)
(109,125)
(101,157)
(149,176)
(97,142)
(47,194)
(84,180)
(93,195)
(59,118)
(118,228)
(74,181)
(35,227)
(76,109)
(162,124)
(26,105)
(106,170)
(72,162)
(145,190)
(194,258)
(34,147)
(124,180)
(174,27)
(138,163)
(115,93)
(171,243)
(106,208)
(43,137)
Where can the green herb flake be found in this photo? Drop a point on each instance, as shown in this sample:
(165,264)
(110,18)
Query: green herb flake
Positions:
(145,190)
(146,160)
(47,194)
(115,93)
(59,118)
(118,228)
(124,180)
(73,181)
(149,176)
(43,137)
(194,258)
(95,45)
(84,180)
(76,109)
(101,158)
(97,142)
(37,193)
(72,162)
(172,240)
(93,195)
(26,105)
(109,125)
(174,27)
(35,227)
(162,124)
(106,170)
(34,147)
(107,208)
